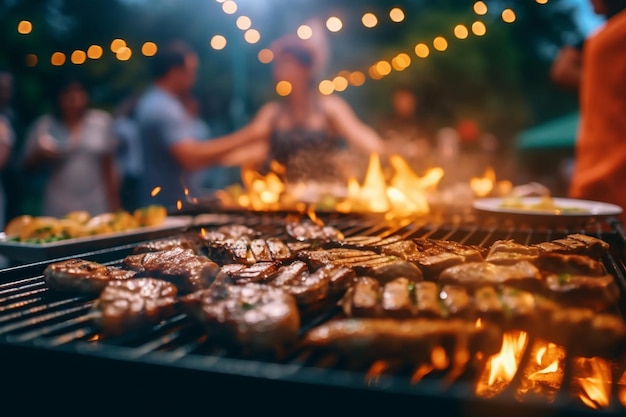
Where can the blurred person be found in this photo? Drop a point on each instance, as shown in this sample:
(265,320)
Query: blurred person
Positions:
(128,152)
(7,138)
(305,130)
(599,170)
(201,131)
(402,128)
(172,153)
(74,146)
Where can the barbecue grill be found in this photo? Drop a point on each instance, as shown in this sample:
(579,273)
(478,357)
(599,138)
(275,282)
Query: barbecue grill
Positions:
(52,357)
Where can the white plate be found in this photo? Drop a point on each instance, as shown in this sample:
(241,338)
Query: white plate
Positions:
(34,252)
(565,207)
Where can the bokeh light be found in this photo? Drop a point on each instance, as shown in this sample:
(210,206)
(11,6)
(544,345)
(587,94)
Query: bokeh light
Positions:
(480,8)
(479,28)
(57,59)
(304,32)
(461,31)
(78,57)
(244,22)
(116,44)
(326,87)
(218,42)
(252,36)
(508,16)
(24,27)
(266,56)
(440,43)
(542,1)
(124,53)
(229,7)
(334,24)
(383,68)
(149,48)
(283,88)
(356,78)
(396,14)
(340,83)
(31,60)
(369,20)
(422,50)
(94,52)
(401,62)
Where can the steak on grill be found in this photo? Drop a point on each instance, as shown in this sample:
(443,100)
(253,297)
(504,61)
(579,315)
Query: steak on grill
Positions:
(82,276)
(133,304)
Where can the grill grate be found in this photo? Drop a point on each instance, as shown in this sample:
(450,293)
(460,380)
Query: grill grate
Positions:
(52,334)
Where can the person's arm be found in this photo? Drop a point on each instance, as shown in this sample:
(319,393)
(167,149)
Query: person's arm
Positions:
(6,142)
(111,182)
(40,146)
(240,147)
(350,127)
(566,68)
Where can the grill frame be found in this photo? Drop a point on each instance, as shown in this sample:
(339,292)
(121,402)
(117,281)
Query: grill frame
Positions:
(186,375)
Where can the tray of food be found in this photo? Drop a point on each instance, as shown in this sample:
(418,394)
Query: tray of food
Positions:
(29,238)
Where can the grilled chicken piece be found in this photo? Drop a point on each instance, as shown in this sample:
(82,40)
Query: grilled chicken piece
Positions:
(364,263)
(595,292)
(457,301)
(82,276)
(166,244)
(243,274)
(507,252)
(182,267)
(427,300)
(307,231)
(132,304)
(569,264)
(411,340)
(522,275)
(572,246)
(253,316)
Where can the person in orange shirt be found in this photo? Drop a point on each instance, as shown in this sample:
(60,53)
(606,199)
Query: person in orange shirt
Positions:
(600,161)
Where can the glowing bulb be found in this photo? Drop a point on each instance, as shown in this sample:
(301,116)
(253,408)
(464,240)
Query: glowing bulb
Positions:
(440,43)
(305,32)
(78,57)
(480,8)
(508,16)
(252,36)
(94,52)
(383,68)
(149,49)
(244,22)
(396,14)
(326,87)
(356,78)
(340,83)
(116,44)
(283,88)
(266,56)
(57,59)
(422,50)
(461,31)
(479,28)
(31,60)
(229,7)
(124,53)
(541,1)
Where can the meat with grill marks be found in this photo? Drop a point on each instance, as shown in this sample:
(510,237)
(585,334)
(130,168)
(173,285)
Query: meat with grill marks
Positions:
(364,263)
(569,264)
(133,304)
(410,340)
(247,251)
(507,252)
(182,267)
(82,276)
(576,243)
(254,317)
(433,256)
(243,274)
(308,231)
(522,274)
(595,292)
(185,242)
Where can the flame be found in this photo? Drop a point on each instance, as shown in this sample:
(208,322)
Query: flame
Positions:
(263,192)
(593,376)
(622,389)
(179,205)
(544,375)
(186,191)
(156,190)
(311,213)
(203,232)
(502,367)
(482,186)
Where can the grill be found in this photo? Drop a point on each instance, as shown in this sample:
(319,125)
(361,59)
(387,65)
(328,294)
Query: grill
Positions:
(51,354)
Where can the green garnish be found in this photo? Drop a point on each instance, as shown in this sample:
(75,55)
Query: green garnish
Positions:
(563,278)
(393,258)
(246,306)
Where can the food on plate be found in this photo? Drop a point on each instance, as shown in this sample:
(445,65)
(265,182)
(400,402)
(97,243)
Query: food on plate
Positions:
(545,203)
(82,276)
(76,224)
(133,304)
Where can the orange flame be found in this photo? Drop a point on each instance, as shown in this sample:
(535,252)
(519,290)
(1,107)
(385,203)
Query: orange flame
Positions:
(593,376)
(485,185)
(543,376)
(622,389)
(179,205)
(502,367)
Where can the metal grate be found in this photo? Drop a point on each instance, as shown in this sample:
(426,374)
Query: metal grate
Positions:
(45,335)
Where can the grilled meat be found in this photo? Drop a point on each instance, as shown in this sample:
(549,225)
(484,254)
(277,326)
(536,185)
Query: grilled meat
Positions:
(235,231)
(594,247)
(523,275)
(243,274)
(182,267)
(307,231)
(569,264)
(595,292)
(428,303)
(576,243)
(289,273)
(252,316)
(279,251)
(248,251)
(132,304)
(410,340)
(374,243)
(82,276)
(457,301)
(167,244)
(364,263)
(397,299)
(363,299)
(507,252)
(433,256)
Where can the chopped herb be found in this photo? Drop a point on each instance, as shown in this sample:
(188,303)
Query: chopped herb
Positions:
(411,286)
(563,278)
(246,306)
(393,258)
(514,291)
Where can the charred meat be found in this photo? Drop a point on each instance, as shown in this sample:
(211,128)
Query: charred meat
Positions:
(132,304)
(158,245)
(251,316)
(82,276)
(308,231)
(596,292)
(182,267)
(523,275)
(243,274)
(507,252)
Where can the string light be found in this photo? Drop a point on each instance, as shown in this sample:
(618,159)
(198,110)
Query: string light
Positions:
(24,27)
(78,57)
(229,7)
(422,50)
(304,32)
(124,53)
(283,88)
(218,42)
(508,16)
(116,44)
(334,24)
(396,15)
(356,78)
(479,28)
(461,31)
(369,20)
(340,83)
(541,1)
(57,59)
(149,49)
(94,52)
(326,87)
(266,56)
(252,36)
(244,22)
(31,60)
(480,8)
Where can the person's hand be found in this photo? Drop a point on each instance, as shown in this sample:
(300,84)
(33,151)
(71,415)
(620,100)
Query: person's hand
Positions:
(47,146)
